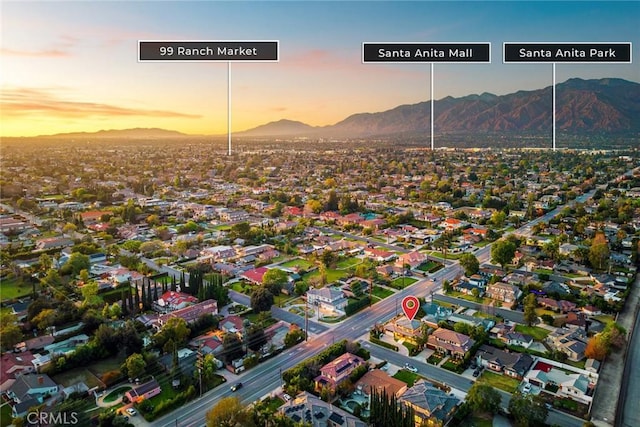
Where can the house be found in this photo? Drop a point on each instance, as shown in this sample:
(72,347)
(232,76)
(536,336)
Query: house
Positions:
(255,275)
(449,342)
(403,328)
(559,306)
(337,371)
(435,313)
(517,339)
(144,391)
(468,288)
(219,252)
(190,314)
(379,255)
(232,325)
(575,386)
(53,243)
(412,259)
(186,361)
(591,310)
(330,298)
(307,408)
(512,364)
(13,365)
(503,292)
(572,342)
(32,386)
(379,381)
(171,301)
(430,404)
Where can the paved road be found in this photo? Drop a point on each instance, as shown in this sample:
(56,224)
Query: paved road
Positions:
(264,378)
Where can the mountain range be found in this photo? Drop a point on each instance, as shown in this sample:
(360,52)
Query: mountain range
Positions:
(582,106)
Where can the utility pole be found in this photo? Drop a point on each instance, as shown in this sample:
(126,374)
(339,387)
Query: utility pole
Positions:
(200,365)
(306,318)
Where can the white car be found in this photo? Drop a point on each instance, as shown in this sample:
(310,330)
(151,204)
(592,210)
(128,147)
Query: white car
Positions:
(526,388)
(410,368)
(132,412)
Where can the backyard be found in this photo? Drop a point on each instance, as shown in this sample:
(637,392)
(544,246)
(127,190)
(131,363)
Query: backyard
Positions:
(538,334)
(299,263)
(13,287)
(500,381)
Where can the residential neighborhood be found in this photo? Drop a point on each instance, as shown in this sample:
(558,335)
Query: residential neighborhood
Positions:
(139,293)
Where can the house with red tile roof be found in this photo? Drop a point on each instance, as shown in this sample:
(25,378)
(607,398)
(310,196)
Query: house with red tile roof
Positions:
(337,371)
(171,301)
(189,314)
(412,259)
(255,276)
(379,255)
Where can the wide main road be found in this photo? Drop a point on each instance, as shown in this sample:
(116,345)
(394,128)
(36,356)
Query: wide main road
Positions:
(265,377)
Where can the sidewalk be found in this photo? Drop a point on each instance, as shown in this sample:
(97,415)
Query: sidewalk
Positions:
(610,379)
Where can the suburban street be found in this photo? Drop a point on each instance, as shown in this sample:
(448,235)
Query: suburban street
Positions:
(265,378)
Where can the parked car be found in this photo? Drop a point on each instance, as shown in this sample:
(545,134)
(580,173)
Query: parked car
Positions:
(132,412)
(476,372)
(410,368)
(526,388)
(286,397)
(236,386)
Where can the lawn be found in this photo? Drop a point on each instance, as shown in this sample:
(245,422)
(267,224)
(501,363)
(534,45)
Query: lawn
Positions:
(499,381)
(406,377)
(429,266)
(5,415)
(345,263)
(115,394)
(12,288)
(76,375)
(242,287)
(332,275)
(300,263)
(439,254)
(382,293)
(538,334)
(402,282)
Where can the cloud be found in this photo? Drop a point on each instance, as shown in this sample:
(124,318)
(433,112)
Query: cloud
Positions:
(45,53)
(27,101)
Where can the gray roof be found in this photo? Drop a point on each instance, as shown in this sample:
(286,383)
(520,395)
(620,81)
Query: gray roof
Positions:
(25,383)
(435,401)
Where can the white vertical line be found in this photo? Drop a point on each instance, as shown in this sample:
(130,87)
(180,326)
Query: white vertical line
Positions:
(553,92)
(229,106)
(432,115)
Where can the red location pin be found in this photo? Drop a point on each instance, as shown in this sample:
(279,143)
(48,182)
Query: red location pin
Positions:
(410,306)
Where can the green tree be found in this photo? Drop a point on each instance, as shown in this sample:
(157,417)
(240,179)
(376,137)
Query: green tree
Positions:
(175,329)
(228,412)
(274,279)
(78,262)
(502,252)
(135,365)
(530,303)
(261,299)
(255,337)
(231,348)
(483,398)
(526,411)
(599,251)
(498,218)
(10,333)
(469,263)
(45,319)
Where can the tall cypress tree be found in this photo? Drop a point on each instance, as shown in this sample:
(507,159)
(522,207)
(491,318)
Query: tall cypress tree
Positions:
(173,283)
(144,299)
(123,301)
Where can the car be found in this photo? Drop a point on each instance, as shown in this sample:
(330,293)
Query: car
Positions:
(476,372)
(132,412)
(410,368)
(286,397)
(526,388)
(236,386)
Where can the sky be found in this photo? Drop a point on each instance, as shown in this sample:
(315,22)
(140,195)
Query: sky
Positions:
(72,66)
